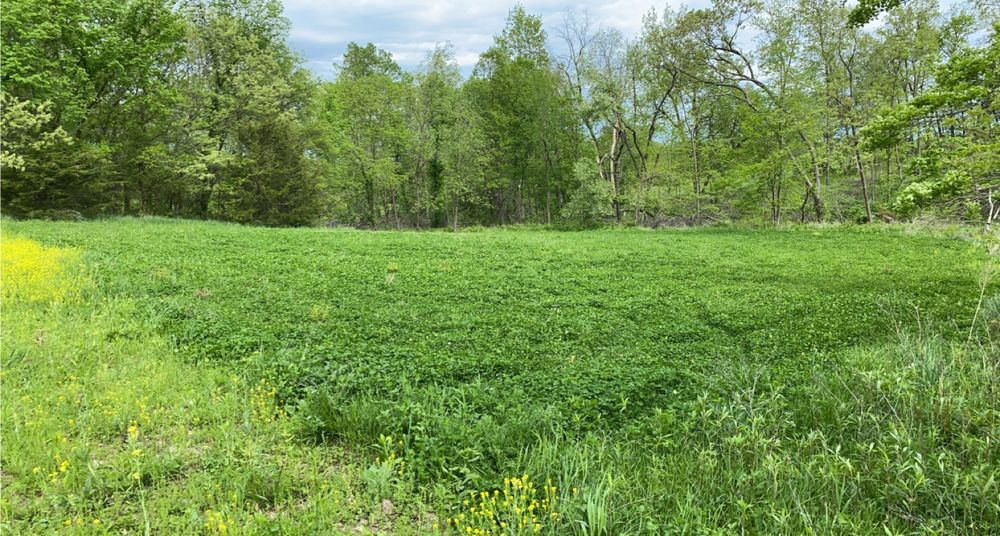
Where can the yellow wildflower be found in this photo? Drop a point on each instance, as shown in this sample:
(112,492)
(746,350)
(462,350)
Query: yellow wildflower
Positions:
(34,273)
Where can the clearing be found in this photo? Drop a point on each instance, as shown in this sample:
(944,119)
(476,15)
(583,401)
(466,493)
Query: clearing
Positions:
(212,377)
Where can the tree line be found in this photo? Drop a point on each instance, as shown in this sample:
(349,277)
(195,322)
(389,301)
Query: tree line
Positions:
(750,110)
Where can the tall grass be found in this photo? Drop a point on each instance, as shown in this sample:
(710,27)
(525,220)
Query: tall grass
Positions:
(899,438)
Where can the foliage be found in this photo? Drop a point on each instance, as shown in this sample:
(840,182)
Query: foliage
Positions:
(961,167)
(743,110)
(96,68)
(529,132)
(23,129)
(920,194)
(866,10)
(592,200)
(147,107)
(364,110)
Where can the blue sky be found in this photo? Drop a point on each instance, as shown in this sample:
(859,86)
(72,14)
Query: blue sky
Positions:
(407,29)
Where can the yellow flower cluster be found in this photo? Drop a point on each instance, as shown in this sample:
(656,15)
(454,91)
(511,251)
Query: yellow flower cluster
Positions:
(263,403)
(58,472)
(216,522)
(30,272)
(79,521)
(519,507)
(141,405)
(396,465)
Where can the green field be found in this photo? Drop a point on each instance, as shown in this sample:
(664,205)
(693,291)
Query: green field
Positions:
(225,378)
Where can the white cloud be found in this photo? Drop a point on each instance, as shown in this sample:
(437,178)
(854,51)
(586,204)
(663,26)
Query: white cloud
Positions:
(321,30)
(407,29)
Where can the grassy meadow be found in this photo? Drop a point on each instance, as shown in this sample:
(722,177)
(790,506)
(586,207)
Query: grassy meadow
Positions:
(165,376)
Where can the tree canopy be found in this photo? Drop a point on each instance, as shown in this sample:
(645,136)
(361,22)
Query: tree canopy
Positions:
(755,110)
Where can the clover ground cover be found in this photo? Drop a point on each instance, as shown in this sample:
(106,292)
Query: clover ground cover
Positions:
(479,351)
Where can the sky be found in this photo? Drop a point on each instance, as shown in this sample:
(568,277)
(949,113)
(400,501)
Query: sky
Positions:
(409,29)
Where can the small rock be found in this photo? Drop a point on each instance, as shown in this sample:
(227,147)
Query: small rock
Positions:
(387,507)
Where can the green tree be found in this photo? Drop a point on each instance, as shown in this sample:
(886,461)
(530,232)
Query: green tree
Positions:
(528,122)
(246,124)
(364,111)
(464,163)
(435,108)
(102,68)
(961,163)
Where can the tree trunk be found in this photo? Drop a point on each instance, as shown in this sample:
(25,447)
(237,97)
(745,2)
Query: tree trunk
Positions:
(864,182)
(697,174)
(613,173)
